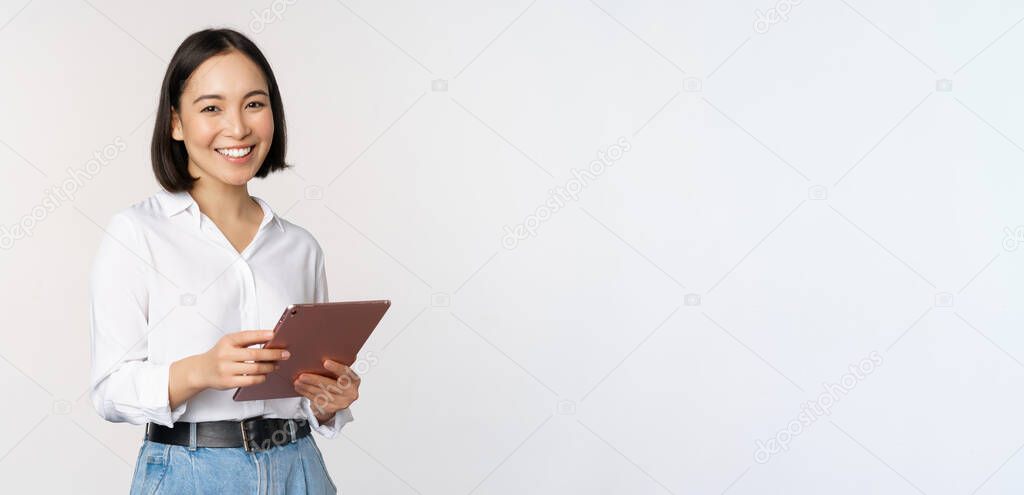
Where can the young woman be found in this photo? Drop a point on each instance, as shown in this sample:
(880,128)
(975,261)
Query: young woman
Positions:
(186,282)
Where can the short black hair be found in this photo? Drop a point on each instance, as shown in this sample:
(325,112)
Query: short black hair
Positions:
(170,158)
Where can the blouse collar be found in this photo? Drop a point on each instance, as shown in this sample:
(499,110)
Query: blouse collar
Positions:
(179,201)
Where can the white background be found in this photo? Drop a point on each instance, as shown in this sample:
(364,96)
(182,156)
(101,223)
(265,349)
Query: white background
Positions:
(836,183)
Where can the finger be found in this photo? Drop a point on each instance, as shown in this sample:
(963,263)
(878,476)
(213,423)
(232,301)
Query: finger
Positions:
(263,354)
(340,371)
(247,380)
(336,385)
(347,378)
(316,380)
(316,396)
(352,374)
(335,367)
(327,386)
(309,391)
(246,338)
(253,368)
(303,390)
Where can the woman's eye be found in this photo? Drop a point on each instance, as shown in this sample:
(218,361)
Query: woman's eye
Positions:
(212,108)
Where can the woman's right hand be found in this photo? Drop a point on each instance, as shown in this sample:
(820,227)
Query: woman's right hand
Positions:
(225,365)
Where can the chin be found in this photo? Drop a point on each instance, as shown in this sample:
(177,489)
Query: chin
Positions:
(233,177)
(238,180)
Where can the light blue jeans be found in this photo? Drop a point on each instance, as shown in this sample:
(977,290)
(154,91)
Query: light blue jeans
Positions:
(293,468)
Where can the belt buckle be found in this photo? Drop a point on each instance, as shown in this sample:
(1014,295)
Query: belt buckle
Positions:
(245,437)
(292,430)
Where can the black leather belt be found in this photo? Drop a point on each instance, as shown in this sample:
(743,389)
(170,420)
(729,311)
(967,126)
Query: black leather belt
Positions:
(254,434)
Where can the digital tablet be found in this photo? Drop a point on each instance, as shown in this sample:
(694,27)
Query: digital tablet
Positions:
(314,333)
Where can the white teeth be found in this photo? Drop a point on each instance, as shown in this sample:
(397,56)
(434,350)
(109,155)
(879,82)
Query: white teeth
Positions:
(236,152)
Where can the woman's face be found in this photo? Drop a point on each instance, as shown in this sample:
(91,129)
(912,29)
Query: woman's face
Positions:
(225,110)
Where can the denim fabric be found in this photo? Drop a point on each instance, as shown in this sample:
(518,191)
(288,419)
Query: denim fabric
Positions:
(293,468)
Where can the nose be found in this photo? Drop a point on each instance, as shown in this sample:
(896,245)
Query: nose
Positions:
(235,125)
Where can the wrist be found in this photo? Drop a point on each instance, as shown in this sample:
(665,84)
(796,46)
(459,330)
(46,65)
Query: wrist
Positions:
(323,417)
(190,375)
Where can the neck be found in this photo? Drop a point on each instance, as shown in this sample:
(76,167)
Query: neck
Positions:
(221,201)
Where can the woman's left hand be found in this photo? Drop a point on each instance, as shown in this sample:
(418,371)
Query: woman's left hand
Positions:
(329,395)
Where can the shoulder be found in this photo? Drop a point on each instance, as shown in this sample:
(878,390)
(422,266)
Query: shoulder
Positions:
(122,245)
(127,224)
(301,237)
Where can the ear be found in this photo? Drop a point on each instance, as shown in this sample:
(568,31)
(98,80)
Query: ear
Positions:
(176,131)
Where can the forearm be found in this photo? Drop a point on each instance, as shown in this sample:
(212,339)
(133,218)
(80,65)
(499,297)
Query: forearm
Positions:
(181,382)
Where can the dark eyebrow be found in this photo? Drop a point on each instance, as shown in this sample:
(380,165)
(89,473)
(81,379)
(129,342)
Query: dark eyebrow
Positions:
(219,97)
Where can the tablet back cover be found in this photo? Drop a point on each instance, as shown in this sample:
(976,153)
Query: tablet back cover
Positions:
(314,333)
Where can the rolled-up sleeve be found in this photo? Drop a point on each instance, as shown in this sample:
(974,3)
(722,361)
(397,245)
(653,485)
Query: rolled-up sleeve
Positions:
(125,385)
(331,428)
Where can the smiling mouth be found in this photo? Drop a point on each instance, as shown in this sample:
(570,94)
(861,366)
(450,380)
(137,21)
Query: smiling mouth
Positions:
(236,152)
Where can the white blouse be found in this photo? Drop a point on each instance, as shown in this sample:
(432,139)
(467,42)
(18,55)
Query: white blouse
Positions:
(166,284)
